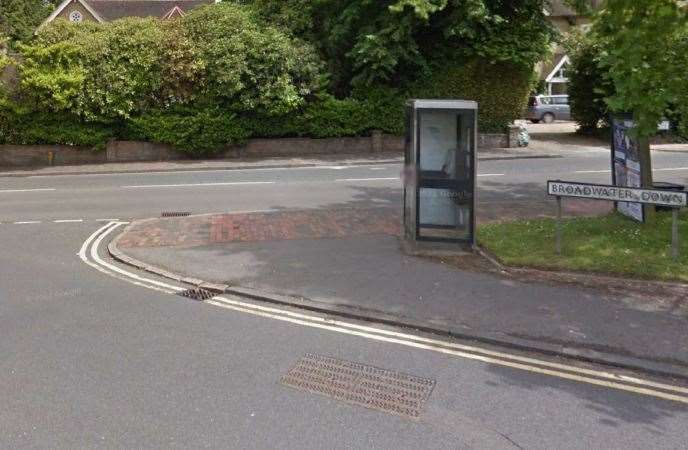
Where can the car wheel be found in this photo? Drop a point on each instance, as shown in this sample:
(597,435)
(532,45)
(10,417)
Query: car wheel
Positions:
(535,120)
(548,118)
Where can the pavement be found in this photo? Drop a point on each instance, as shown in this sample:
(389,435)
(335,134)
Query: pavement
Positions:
(92,359)
(350,261)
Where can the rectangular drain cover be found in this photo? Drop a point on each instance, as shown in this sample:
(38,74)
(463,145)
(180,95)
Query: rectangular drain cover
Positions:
(175,214)
(197,294)
(362,385)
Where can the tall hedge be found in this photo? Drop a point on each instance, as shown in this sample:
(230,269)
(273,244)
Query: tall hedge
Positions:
(501,89)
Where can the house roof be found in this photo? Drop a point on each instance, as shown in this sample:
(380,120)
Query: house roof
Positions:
(117,9)
(64,4)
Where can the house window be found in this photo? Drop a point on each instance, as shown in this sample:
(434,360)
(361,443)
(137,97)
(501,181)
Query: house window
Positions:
(75,16)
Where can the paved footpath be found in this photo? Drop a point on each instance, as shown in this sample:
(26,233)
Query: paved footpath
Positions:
(349,261)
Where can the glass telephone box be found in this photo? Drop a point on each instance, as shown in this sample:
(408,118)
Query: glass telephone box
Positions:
(440,169)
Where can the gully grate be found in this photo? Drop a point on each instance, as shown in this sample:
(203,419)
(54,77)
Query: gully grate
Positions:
(197,294)
(175,214)
(362,385)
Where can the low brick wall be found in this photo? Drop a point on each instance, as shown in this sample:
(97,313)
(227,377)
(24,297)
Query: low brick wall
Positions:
(493,140)
(47,155)
(257,148)
(134,151)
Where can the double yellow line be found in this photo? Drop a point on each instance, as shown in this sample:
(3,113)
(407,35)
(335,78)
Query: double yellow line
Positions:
(89,253)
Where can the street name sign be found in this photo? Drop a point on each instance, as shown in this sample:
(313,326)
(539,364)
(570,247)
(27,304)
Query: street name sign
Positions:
(628,195)
(676,199)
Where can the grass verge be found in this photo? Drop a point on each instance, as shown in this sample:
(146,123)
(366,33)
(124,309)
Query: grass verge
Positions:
(611,244)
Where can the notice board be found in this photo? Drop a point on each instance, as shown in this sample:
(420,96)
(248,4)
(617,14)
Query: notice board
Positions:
(626,168)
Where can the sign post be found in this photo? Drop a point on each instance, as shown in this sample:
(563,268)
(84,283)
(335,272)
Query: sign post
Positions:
(558,226)
(673,199)
(675,244)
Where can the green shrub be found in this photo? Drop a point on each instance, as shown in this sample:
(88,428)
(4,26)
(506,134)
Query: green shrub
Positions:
(23,127)
(195,131)
(221,75)
(588,86)
(248,65)
(326,116)
(216,55)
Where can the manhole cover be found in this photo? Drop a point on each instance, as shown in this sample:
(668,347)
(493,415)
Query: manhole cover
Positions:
(175,214)
(367,386)
(197,294)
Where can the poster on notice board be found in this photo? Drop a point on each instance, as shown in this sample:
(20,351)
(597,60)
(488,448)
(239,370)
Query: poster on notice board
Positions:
(626,169)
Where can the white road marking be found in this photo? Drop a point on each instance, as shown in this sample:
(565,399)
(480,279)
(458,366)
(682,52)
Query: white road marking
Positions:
(367,179)
(83,255)
(599,378)
(608,375)
(210,169)
(27,222)
(9,191)
(107,220)
(666,169)
(478,357)
(378,168)
(491,175)
(238,183)
(68,221)
(669,169)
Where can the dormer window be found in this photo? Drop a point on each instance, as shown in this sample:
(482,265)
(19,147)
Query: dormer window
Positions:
(75,16)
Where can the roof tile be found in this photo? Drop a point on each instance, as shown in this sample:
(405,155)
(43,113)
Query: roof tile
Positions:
(117,9)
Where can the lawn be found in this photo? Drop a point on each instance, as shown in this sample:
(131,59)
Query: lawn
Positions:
(610,244)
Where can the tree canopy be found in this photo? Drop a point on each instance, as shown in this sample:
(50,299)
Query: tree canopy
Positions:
(645,52)
(370,41)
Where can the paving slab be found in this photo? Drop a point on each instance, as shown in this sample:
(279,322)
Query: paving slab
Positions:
(352,260)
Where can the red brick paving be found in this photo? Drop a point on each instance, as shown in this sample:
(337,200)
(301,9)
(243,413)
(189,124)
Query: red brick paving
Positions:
(255,227)
(318,224)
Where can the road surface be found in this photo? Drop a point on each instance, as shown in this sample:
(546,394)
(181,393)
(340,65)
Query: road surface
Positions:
(93,361)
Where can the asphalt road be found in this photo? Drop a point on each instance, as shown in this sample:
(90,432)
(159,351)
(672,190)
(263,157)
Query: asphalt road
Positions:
(92,361)
(130,196)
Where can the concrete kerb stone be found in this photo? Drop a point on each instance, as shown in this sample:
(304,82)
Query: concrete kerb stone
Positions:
(580,276)
(122,257)
(626,362)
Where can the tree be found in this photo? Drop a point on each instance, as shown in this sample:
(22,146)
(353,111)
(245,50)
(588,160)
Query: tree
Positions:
(644,52)
(366,42)
(19,18)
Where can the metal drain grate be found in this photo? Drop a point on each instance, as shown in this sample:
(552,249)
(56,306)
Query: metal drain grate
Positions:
(175,214)
(367,386)
(197,294)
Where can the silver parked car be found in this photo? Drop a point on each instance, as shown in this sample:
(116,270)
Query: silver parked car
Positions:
(548,108)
